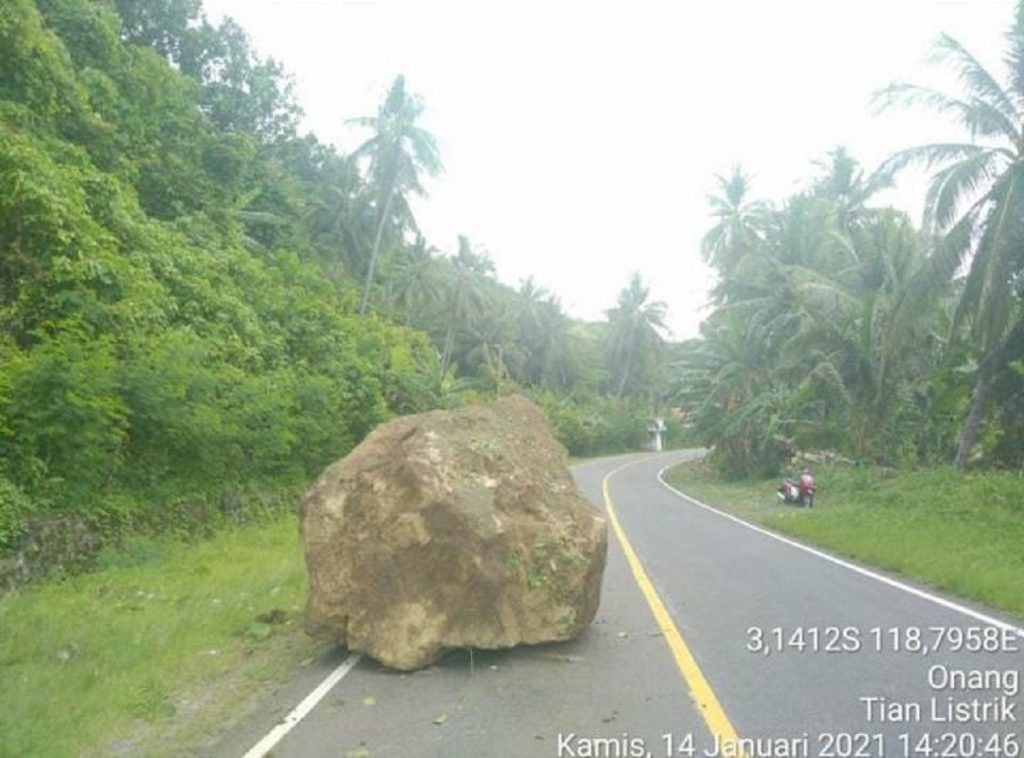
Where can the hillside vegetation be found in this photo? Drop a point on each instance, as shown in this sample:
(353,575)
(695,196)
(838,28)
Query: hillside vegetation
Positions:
(200,306)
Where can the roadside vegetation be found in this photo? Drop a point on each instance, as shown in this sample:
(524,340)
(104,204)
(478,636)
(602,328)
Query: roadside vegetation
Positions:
(840,324)
(161,648)
(955,532)
(201,307)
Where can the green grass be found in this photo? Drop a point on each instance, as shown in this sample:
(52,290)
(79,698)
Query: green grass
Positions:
(166,646)
(960,533)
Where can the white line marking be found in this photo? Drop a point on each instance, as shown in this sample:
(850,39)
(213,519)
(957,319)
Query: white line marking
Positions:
(311,700)
(846,564)
(300,711)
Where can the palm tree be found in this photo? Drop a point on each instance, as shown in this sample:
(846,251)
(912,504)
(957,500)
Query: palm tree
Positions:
(492,352)
(729,386)
(398,151)
(637,326)
(341,219)
(850,342)
(416,281)
(538,328)
(975,206)
(813,300)
(739,222)
(843,184)
(465,298)
(468,259)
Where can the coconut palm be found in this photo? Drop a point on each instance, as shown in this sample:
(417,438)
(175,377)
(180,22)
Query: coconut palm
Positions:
(341,219)
(975,206)
(804,338)
(637,325)
(465,297)
(414,284)
(729,387)
(398,151)
(739,222)
(844,185)
(539,327)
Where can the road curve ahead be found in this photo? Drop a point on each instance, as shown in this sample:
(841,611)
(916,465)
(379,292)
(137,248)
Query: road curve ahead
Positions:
(712,638)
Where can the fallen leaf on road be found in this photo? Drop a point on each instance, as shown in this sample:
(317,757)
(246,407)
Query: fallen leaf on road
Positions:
(368,701)
(439,721)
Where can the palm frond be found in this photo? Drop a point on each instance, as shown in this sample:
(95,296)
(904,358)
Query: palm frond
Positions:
(986,294)
(978,116)
(929,281)
(929,156)
(975,77)
(810,282)
(956,183)
(1015,55)
(369,122)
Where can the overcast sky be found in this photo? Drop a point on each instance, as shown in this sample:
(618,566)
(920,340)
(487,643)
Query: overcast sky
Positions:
(581,139)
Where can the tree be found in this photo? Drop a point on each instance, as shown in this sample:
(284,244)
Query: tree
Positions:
(339,219)
(811,341)
(416,282)
(975,206)
(739,222)
(399,151)
(637,325)
(842,183)
(541,328)
(732,392)
(465,299)
(166,327)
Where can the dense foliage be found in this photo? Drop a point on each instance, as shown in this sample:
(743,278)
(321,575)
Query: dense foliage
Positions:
(839,324)
(161,332)
(195,297)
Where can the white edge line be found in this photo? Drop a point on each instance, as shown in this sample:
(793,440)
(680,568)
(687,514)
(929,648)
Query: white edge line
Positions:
(300,711)
(308,703)
(846,564)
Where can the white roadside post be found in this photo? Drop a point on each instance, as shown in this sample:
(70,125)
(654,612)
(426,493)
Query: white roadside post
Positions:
(656,429)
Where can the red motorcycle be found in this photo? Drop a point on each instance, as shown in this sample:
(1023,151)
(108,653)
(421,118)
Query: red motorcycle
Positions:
(799,492)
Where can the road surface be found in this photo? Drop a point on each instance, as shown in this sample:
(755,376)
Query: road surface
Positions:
(712,638)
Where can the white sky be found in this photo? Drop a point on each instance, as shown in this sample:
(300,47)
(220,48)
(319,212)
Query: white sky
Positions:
(580,139)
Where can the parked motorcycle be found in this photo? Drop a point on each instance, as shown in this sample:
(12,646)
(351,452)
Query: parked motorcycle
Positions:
(800,492)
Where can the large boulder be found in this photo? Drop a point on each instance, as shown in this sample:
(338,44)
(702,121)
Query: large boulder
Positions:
(452,529)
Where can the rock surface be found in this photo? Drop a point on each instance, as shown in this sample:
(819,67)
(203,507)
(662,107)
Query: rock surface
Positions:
(452,529)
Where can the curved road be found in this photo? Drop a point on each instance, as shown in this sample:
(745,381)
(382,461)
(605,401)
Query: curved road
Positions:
(758,640)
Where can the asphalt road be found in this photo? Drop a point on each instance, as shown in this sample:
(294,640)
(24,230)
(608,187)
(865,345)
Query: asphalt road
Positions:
(845,675)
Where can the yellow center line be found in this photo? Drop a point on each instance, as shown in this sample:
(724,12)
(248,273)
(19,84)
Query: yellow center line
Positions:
(707,702)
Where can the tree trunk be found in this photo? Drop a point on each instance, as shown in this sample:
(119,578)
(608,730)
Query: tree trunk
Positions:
(975,417)
(376,249)
(449,347)
(627,368)
(625,375)
(1008,350)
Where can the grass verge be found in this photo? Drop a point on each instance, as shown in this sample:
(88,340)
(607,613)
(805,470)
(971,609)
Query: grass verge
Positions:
(961,533)
(166,646)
